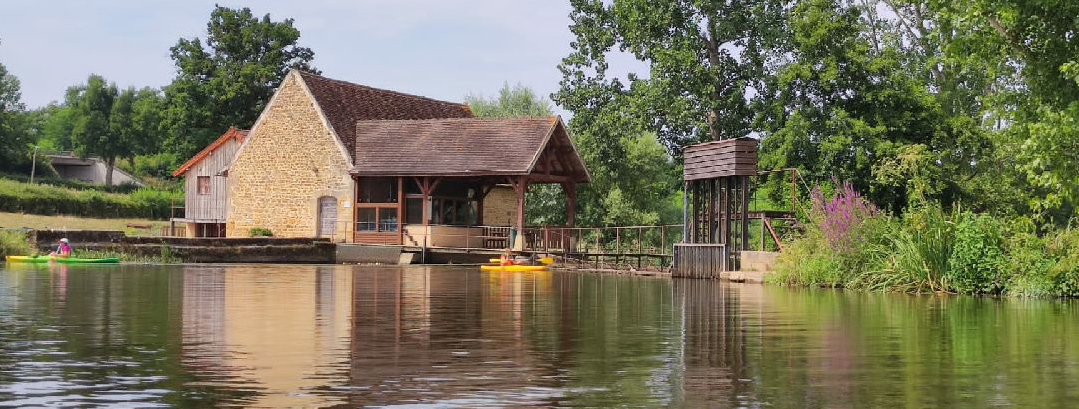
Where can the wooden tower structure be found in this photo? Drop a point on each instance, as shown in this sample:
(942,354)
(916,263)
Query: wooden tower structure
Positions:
(715,209)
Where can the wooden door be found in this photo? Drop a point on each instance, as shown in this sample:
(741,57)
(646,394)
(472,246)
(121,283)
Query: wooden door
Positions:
(327,216)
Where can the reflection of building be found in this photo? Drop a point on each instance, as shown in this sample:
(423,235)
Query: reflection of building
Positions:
(423,335)
(276,328)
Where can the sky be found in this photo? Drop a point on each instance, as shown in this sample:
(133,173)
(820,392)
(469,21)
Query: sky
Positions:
(442,49)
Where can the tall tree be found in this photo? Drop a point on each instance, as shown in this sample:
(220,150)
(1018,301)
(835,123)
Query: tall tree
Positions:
(226,80)
(706,60)
(93,132)
(1038,107)
(13,138)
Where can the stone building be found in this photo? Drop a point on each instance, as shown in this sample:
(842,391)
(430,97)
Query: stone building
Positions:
(330,158)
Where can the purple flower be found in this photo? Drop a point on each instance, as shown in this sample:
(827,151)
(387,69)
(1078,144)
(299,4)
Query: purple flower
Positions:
(840,216)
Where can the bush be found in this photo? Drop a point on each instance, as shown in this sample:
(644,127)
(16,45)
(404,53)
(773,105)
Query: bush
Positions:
(977,259)
(15,243)
(45,199)
(260,232)
(1028,264)
(1064,274)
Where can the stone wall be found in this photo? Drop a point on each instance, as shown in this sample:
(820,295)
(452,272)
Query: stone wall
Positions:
(289,160)
(500,207)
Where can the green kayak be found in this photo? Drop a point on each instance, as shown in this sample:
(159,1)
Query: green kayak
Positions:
(67,260)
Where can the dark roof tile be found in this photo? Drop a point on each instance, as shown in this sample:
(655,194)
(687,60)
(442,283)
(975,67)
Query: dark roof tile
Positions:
(344,103)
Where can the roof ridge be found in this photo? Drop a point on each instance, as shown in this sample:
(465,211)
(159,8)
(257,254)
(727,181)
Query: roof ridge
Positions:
(353,84)
(477,119)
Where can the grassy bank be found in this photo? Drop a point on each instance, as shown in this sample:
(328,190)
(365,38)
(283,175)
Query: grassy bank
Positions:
(40,222)
(44,199)
(15,243)
(852,245)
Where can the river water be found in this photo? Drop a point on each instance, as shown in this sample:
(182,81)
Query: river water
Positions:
(437,336)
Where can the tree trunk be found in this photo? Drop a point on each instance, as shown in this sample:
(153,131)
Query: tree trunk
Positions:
(110,163)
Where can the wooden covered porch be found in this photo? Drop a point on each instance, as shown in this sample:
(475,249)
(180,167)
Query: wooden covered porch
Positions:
(435,192)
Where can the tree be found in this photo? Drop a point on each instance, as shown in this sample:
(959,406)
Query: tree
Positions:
(516,101)
(706,59)
(13,138)
(227,81)
(93,132)
(856,105)
(1036,101)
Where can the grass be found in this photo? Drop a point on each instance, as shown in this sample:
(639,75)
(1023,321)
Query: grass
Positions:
(40,222)
(14,243)
(165,257)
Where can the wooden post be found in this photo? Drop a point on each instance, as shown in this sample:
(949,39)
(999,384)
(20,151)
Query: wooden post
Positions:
(400,210)
(685,212)
(744,245)
(571,202)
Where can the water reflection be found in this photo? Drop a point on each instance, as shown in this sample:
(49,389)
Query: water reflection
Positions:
(302,336)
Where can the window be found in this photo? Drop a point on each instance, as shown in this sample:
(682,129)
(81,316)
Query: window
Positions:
(204,185)
(378,190)
(376,219)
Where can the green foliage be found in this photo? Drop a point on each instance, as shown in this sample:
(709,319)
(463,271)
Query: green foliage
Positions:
(98,119)
(977,260)
(44,199)
(704,61)
(15,243)
(260,232)
(512,102)
(14,140)
(228,78)
(1064,274)
(159,165)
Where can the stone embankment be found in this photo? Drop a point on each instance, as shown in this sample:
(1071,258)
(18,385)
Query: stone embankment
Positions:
(195,250)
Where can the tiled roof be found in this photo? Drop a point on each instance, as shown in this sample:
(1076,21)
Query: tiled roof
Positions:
(232,132)
(462,147)
(344,103)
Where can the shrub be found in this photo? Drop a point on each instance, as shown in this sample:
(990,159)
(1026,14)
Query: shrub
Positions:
(260,232)
(45,199)
(919,250)
(1064,273)
(15,243)
(1028,265)
(977,258)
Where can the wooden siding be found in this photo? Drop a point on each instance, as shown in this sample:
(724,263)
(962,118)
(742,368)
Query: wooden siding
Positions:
(211,207)
(731,157)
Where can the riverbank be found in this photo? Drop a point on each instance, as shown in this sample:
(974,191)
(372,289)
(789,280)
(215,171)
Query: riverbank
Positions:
(850,244)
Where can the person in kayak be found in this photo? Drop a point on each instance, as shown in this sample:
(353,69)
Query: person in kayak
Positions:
(63,249)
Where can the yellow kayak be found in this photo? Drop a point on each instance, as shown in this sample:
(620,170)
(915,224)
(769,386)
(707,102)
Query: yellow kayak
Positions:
(513,268)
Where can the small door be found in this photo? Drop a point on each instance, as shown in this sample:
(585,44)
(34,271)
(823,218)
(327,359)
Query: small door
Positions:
(327,216)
